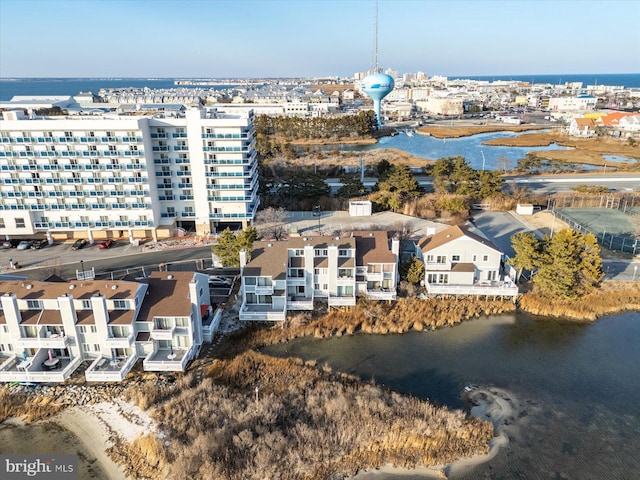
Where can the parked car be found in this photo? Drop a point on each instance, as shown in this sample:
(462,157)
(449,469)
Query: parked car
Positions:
(219,282)
(24,245)
(78,244)
(11,243)
(38,244)
(106,244)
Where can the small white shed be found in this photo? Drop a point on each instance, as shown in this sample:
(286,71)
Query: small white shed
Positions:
(360,208)
(524,209)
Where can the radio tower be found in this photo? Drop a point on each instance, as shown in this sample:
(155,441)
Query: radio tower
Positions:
(377,85)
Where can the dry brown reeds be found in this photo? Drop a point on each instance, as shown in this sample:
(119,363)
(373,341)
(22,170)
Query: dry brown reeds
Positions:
(609,299)
(30,407)
(304,423)
(459,131)
(400,316)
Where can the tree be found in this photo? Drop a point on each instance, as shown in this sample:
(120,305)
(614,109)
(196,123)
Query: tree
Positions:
(415,272)
(228,246)
(383,167)
(528,249)
(568,264)
(351,187)
(272,222)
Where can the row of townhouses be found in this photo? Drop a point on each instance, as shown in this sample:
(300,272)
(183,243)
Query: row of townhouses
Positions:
(49,329)
(290,275)
(137,175)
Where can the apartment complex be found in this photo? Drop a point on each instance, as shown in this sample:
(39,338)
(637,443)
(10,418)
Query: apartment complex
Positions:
(137,175)
(288,275)
(49,329)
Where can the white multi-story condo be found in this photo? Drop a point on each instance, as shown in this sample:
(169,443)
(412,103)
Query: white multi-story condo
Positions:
(138,175)
(292,274)
(49,329)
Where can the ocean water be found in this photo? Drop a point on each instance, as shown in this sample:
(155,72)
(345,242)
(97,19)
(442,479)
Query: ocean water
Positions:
(72,86)
(577,385)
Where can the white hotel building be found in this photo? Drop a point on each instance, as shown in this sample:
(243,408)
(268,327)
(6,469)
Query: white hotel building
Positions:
(139,175)
(49,329)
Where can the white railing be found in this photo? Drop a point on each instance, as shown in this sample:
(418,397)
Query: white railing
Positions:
(389,294)
(120,342)
(162,333)
(300,304)
(431,266)
(60,341)
(264,290)
(504,289)
(149,364)
(269,316)
(342,301)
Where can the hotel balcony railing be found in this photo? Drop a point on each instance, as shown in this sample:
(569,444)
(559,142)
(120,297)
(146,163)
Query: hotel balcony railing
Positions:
(119,342)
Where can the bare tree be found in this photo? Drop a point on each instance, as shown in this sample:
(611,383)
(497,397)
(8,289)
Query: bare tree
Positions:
(272,223)
(404,230)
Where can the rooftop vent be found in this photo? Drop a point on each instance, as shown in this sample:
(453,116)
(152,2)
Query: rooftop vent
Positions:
(113,287)
(169,277)
(72,286)
(269,244)
(29,287)
(305,238)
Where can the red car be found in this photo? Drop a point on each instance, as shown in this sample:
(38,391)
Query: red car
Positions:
(106,244)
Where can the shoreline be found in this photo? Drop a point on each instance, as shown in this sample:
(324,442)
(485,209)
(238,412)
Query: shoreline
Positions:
(492,404)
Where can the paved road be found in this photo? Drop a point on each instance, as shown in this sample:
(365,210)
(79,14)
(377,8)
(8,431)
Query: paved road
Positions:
(64,261)
(499,227)
(540,184)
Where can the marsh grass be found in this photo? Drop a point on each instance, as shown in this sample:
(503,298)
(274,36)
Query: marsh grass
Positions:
(304,423)
(609,299)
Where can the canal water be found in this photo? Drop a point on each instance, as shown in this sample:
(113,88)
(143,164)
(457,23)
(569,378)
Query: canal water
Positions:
(577,385)
(471,148)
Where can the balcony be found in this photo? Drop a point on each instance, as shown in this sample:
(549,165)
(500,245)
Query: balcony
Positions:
(33,369)
(262,312)
(382,293)
(437,266)
(110,370)
(299,303)
(162,333)
(44,339)
(342,301)
(492,288)
(119,342)
(167,360)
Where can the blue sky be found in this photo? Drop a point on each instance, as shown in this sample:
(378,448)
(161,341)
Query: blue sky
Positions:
(305,38)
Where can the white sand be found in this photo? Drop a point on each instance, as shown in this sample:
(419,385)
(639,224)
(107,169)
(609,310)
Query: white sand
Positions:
(97,426)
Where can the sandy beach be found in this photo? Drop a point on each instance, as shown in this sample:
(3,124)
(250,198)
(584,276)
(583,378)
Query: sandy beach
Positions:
(87,431)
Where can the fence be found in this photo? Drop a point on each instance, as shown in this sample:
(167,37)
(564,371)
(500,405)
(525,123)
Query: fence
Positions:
(622,242)
(197,265)
(629,204)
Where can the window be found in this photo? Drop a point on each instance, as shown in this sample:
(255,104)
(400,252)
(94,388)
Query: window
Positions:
(474,258)
(85,347)
(96,347)
(491,275)
(20,222)
(34,304)
(429,258)
(441,259)
(485,258)
(250,280)
(343,253)
(321,252)
(455,258)
(93,329)
(120,305)
(181,321)
(86,304)
(2,223)
(298,252)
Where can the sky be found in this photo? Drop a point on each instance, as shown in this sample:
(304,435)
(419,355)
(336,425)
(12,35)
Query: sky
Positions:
(315,38)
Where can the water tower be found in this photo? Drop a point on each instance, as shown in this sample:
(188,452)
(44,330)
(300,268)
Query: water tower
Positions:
(377,85)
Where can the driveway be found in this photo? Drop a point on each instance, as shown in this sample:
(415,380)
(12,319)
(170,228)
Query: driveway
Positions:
(499,227)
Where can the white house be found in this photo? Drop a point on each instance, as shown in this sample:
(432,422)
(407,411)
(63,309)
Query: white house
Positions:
(458,261)
(582,127)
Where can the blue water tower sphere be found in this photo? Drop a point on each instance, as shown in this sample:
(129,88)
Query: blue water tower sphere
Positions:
(377,86)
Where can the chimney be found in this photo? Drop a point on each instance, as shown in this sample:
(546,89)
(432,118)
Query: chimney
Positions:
(243,259)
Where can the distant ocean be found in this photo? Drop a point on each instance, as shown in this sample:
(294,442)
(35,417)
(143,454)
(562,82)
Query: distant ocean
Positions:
(72,86)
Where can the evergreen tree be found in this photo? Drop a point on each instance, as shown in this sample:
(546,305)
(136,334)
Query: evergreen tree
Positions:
(528,249)
(351,187)
(228,246)
(415,272)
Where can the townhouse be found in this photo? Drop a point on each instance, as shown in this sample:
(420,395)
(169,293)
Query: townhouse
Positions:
(49,329)
(289,275)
